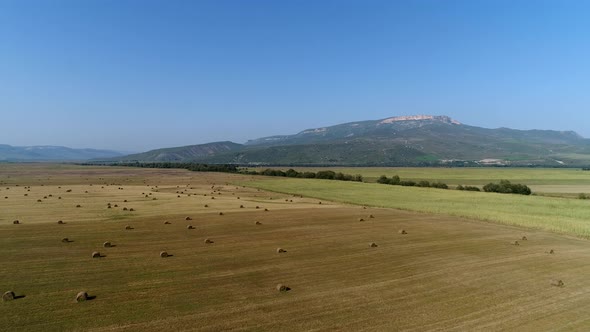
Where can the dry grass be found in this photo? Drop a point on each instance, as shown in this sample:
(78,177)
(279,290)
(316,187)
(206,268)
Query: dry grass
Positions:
(450,274)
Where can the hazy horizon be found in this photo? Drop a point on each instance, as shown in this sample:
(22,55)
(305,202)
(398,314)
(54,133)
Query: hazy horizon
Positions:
(141,75)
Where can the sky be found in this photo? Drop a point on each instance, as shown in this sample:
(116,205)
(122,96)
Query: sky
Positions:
(134,75)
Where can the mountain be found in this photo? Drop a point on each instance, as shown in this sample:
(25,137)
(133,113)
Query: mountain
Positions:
(52,153)
(395,141)
(184,153)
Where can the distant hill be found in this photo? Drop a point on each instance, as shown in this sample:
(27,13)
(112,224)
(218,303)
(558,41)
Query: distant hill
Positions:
(52,153)
(395,141)
(184,153)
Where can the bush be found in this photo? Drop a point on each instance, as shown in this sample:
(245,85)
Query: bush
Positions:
(505,187)
(407,183)
(583,196)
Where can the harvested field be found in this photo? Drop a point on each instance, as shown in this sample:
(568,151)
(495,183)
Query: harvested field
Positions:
(448,273)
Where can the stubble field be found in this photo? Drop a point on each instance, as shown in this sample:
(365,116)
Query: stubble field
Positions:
(446,273)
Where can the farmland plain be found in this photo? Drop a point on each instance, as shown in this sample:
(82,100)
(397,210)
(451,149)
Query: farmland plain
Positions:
(446,273)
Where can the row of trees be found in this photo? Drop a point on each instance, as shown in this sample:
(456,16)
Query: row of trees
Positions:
(291,173)
(195,167)
(505,187)
(396,181)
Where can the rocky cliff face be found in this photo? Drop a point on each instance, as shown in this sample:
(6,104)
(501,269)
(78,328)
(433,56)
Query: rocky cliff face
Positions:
(440,118)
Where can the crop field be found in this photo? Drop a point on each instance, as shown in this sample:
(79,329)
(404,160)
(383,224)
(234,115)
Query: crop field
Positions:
(541,180)
(426,272)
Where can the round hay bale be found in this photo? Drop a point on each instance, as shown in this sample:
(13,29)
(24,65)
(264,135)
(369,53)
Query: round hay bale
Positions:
(208,241)
(371,216)
(282,288)
(69,190)
(524,238)
(206,205)
(116,205)
(65,240)
(96,254)
(515,243)
(154,199)
(361,219)
(124,209)
(190,227)
(60,222)
(166,223)
(188,218)
(16,222)
(402,231)
(8,296)
(557,283)
(373,245)
(81,297)
(108,207)
(258,223)
(551,251)
(364,207)
(26,194)
(163,254)
(241,206)
(319,202)
(39,200)
(220,213)
(258,207)
(281,250)
(128,227)
(59,197)
(107,244)
(125,201)
(44,197)
(131,209)
(78,205)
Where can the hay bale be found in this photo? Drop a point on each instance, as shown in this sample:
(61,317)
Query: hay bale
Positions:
(131,209)
(319,202)
(515,243)
(59,197)
(220,213)
(188,218)
(125,201)
(78,205)
(371,216)
(265,210)
(557,283)
(163,254)
(166,223)
(8,296)
(69,190)
(96,254)
(281,250)
(361,219)
(258,207)
(282,288)
(128,227)
(190,227)
(524,238)
(107,244)
(373,245)
(208,241)
(16,222)
(241,206)
(124,209)
(551,251)
(65,240)
(81,297)
(116,205)
(258,223)
(39,200)
(402,231)
(206,205)
(60,222)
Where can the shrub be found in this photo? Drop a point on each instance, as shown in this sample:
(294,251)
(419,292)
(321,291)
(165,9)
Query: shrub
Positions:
(505,187)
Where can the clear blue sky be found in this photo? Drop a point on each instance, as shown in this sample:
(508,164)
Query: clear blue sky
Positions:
(137,75)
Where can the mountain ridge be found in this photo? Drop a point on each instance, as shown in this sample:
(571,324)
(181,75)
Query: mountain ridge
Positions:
(393,141)
(52,153)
